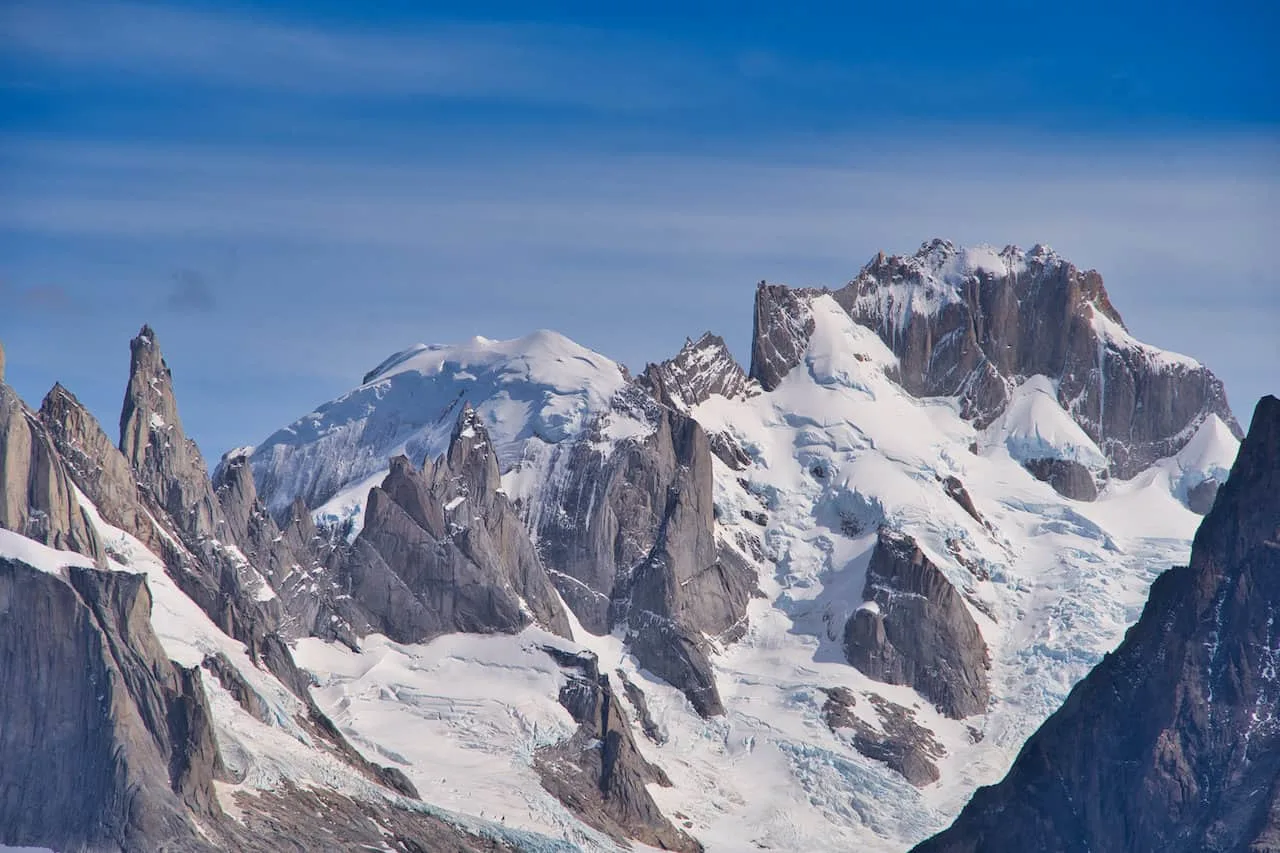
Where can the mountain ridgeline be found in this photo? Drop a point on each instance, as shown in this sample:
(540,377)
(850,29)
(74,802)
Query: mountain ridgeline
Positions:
(691,522)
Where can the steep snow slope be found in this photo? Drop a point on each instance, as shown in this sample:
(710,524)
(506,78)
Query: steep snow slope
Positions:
(836,450)
(1033,426)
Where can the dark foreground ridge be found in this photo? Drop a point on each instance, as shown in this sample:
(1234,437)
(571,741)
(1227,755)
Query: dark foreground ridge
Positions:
(1172,743)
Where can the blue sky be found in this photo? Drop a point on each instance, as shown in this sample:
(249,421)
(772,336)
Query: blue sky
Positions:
(290,191)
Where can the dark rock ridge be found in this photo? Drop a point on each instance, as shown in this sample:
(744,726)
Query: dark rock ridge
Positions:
(901,743)
(702,369)
(974,331)
(630,538)
(916,630)
(598,773)
(37,498)
(783,325)
(443,550)
(1172,742)
(106,744)
(1067,477)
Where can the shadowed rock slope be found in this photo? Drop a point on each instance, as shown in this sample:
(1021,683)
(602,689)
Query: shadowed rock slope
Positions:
(1172,743)
(106,744)
(631,537)
(915,629)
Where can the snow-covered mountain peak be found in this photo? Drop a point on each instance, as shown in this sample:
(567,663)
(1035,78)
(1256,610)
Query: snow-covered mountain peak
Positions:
(542,357)
(541,387)
(945,266)
(944,261)
(974,323)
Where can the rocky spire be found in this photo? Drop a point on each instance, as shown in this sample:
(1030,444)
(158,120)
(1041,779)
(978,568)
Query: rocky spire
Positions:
(442,550)
(1171,743)
(97,466)
(37,496)
(631,536)
(154,444)
(781,332)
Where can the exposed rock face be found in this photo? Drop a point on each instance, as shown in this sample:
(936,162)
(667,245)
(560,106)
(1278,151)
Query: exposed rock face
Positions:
(285,819)
(783,325)
(97,466)
(1068,477)
(973,323)
(290,557)
(37,498)
(168,464)
(958,493)
(901,743)
(442,550)
(1172,742)
(917,631)
(700,370)
(598,773)
(632,538)
(125,751)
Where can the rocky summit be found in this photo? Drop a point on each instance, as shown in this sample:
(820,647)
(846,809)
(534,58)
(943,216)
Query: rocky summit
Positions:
(506,595)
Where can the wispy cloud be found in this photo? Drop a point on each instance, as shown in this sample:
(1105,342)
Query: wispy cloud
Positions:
(45,297)
(547,64)
(190,293)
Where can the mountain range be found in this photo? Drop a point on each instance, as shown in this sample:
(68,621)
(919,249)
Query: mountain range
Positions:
(505,595)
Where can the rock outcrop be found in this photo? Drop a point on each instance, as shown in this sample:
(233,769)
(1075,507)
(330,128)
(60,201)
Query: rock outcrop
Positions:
(1067,477)
(598,773)
(37,497)
(701,369)
(899,742)
(106,744)
(972,323)
(631,537)
(443,550)
(1201,496)
(783,325)
(914,629)
(293,557)
(1172,742)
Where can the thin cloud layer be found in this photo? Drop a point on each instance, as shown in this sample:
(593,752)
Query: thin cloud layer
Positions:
(190,293)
